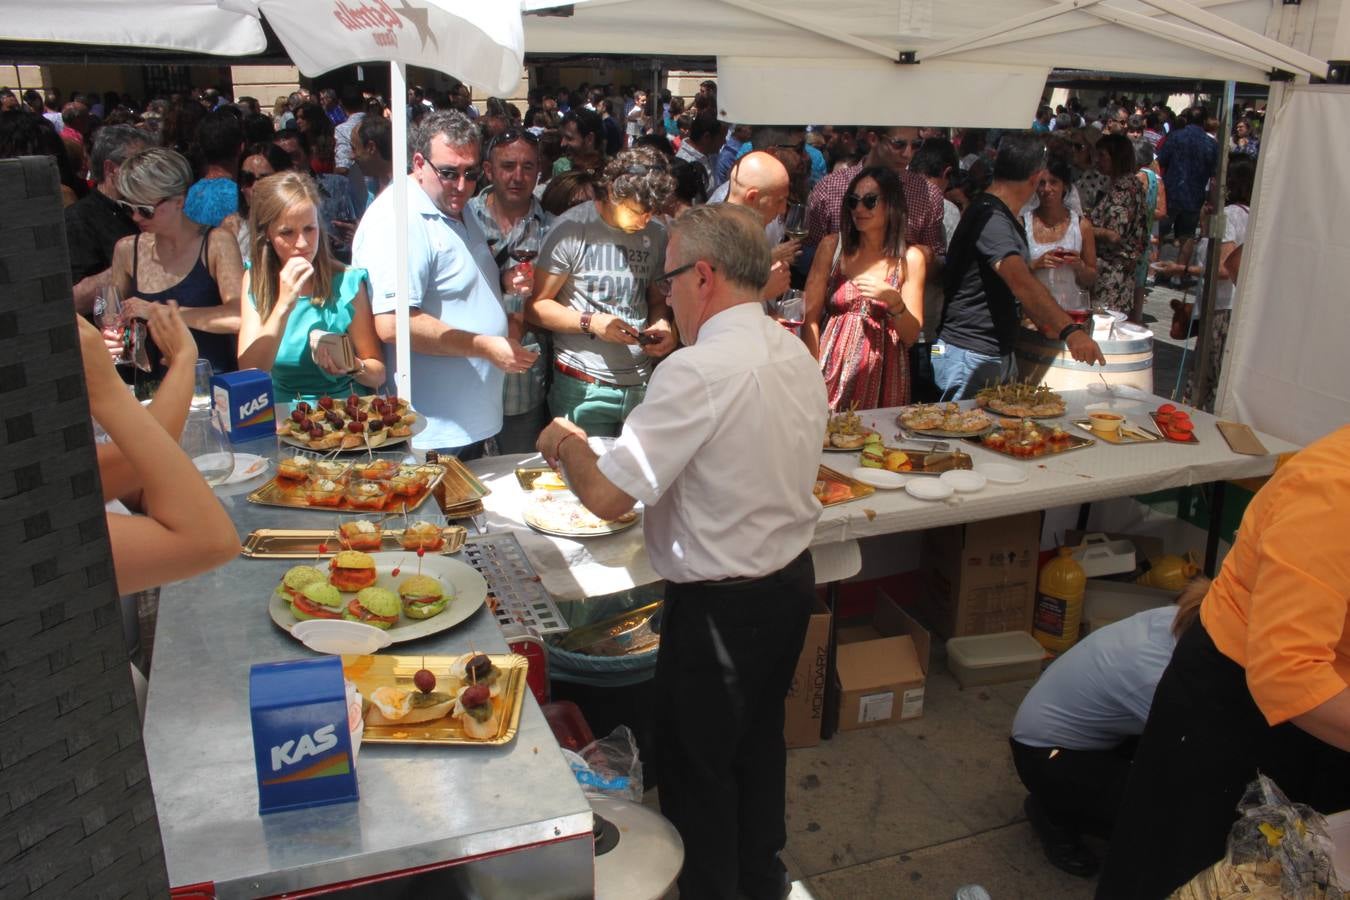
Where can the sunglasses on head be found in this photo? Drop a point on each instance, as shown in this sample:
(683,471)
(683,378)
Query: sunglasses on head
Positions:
(869,201)
(510,136)
(145,212)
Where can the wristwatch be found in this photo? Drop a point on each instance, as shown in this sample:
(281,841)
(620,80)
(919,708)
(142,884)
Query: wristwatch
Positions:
(586,324)
(1070,329)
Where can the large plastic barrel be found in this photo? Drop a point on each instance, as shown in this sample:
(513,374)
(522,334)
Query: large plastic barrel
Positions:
(1129,361)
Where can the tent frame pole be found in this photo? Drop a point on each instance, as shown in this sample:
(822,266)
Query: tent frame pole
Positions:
(1204,374)
(1291,59)
(1003,32)
(398,91)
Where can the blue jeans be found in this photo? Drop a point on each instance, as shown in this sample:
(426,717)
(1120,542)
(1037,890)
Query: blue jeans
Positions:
(960,374)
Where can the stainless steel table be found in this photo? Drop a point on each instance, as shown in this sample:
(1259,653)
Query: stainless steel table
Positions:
(511,819)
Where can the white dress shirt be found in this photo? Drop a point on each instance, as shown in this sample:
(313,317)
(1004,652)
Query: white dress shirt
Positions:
(724,451)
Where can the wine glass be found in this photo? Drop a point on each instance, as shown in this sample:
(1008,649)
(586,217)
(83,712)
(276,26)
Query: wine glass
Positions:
(208,446)
(792,310)
(524,251)
(108,317)
(794,222)
(201,385)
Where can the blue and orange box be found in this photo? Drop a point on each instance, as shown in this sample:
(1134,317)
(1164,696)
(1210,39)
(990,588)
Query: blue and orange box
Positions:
(245,401)
(301,741)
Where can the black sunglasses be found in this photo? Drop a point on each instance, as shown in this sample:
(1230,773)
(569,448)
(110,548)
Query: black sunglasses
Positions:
(510,136)
(146,212)
(869,201)
(453,175)
(899,144)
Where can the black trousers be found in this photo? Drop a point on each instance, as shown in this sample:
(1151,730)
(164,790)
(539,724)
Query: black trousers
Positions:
(1079,790)
(728,652)
(1204,742)
(923,386)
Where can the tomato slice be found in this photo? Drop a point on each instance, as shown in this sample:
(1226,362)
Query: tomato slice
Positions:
(310,608)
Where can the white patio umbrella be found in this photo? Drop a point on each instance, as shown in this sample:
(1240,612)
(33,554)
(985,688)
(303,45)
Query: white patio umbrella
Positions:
(480,43)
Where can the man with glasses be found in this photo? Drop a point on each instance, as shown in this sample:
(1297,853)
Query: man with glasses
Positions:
(515,224)
(989,285)
(597,292)
(893,148)
(460,347)
(95,223)
(728,529)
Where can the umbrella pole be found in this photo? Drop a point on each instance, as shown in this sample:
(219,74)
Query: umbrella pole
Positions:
(398,90)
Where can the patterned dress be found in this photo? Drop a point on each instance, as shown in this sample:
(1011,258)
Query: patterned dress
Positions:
(864,363)
(1121,210)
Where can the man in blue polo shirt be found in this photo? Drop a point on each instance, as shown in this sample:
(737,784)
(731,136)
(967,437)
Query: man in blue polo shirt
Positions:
(460,346)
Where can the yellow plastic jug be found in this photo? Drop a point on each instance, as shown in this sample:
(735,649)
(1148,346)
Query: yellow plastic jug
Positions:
(1170,573)
(1059,602)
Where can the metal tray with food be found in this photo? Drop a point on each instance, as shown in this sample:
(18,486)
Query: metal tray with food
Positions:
(1128,433)
(1170,430)
(1022,401)
(401,705)
(628,633)
(313,543)
(561,514)
(361,486)
(930,462)
(946,420)
(844,432)
(532,478)
(832,488)
(1030,441)
(351,424)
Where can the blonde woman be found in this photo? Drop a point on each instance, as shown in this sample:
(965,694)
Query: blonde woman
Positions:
(295,287)
(174,258)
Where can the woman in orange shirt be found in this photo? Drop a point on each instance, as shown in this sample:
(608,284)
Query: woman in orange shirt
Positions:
(1260,685)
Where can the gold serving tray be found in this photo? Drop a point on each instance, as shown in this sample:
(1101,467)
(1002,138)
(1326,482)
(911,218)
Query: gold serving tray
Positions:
(1076,442)
(303,543)
(527,475)
(1128,434)
(371,672)
(859,490)
(291,494)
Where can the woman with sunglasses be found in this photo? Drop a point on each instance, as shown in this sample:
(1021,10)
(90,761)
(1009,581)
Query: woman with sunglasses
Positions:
(174,258)
(260,160)
(295,287)
(874,285)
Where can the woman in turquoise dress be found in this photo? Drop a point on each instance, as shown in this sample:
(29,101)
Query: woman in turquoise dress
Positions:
(294,288)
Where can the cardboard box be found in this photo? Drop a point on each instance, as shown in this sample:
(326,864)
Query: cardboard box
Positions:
(881,668)
(805,703)
(1105,601)
(245,402)
(980,578)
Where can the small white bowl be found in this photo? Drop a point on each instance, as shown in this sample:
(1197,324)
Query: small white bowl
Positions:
(964,481)
(340,636)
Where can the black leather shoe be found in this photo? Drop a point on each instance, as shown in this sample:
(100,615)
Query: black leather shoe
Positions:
(1063,848)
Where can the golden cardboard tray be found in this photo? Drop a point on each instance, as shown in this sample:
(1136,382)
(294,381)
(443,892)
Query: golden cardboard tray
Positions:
(303,543)
(371,672)
(857,489)
(291,494)
(1128,434)
(1074,442)
(526,476)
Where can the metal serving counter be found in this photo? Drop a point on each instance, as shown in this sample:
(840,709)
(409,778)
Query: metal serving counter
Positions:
(512,818)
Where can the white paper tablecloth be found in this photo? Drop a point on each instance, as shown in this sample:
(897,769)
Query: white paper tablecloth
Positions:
(592,567)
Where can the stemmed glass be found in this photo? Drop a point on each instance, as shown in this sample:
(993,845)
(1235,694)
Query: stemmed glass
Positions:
(794,221)
(524,251)
(108,317)
(201,385)
(206,444)
(792,310)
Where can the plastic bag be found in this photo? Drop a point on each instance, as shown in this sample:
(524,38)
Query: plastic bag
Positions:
(1276,850)
(609,767)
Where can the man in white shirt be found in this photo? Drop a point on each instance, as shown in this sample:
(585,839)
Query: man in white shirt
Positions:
(460,346)
(723,453)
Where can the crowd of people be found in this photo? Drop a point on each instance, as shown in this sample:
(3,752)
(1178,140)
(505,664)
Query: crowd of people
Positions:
(556,261)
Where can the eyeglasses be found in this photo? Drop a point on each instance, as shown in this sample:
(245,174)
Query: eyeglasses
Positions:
(900,143)
(869,201)
(510,136)
(146,212)
(453,175)
(663,284)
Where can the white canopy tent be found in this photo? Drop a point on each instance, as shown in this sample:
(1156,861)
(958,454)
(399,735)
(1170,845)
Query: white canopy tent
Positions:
(984,64)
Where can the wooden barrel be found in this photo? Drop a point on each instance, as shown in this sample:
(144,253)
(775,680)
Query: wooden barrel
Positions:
(1129,360)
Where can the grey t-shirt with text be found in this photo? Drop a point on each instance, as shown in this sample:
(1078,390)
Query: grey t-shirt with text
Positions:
(609,271)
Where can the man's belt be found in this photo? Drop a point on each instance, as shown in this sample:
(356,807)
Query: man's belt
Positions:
(579,375)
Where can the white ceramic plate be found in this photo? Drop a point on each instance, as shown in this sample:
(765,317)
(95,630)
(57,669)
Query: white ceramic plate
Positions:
(1125,391)
(929,489)
(879,478)
(460,580)
(1002,473)
(247,466)
(964,481)
(339,636)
